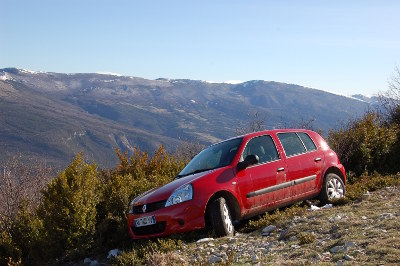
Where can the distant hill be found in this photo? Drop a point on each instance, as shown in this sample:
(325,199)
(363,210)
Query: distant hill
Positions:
(52,116)
(374,100)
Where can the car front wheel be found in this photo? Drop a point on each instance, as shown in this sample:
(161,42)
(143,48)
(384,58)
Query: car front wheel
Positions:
(221,218)
(332,188)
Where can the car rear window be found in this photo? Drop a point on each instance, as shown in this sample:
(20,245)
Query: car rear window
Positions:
(310,146)
(291,144)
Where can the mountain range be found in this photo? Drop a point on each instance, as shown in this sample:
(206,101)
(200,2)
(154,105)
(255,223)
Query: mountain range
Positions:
(52,116)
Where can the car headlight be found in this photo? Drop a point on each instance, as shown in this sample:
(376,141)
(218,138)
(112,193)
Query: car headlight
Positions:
(181,194)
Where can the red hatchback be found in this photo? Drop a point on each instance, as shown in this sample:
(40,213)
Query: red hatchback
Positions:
(239,178)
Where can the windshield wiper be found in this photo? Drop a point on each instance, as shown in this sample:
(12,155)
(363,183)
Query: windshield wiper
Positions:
(194,172)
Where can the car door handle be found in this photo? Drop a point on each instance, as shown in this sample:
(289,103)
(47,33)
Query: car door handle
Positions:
(280,169)
(317,159)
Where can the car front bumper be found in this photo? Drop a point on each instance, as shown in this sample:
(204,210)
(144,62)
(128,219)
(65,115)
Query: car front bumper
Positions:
(178,218)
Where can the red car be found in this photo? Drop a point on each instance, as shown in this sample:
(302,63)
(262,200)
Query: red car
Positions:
(239,178)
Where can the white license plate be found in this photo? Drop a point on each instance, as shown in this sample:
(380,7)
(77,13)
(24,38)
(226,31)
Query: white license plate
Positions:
(143,221)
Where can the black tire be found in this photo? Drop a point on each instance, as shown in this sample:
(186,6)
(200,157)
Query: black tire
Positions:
(221,219)
(332,188)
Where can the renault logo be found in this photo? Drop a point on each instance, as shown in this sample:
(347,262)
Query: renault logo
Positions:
(144,208)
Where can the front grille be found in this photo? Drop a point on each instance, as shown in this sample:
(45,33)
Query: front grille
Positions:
(150,207)
(157,228)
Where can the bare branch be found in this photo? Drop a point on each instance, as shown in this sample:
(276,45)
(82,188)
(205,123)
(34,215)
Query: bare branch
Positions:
(20,182)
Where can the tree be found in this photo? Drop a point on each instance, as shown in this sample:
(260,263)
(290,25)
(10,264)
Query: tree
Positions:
(256,123)
(391,102)
(390,99)
(20,183)
(68,209)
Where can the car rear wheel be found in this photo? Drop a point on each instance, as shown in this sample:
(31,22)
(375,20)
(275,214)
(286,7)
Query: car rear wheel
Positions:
(221,218)
(332,188)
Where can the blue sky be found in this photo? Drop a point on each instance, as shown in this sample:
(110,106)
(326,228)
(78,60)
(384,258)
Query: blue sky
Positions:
(345,47)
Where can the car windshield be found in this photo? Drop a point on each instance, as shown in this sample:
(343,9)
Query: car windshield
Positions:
(213,157)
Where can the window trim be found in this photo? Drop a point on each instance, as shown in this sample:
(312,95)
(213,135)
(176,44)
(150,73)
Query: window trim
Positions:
(316,147)
(241,159)
(304,146)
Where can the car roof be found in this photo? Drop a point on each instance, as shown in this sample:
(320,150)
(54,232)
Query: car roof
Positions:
(274,131)
(265,132)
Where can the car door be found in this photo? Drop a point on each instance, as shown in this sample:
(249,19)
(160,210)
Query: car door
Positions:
(265,176)
(304,162)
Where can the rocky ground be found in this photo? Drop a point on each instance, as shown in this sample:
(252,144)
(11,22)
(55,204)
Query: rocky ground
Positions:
(363,232)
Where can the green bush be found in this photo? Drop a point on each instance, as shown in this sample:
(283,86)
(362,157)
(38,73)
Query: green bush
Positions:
(146,251)
(9,251)
(19,244)
(27,235)
(370,183)
(306,238)
(134,175)
(68,209)
(276,217)
(365,144)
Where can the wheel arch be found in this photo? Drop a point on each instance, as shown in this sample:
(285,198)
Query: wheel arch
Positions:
(231,200)
(335,170)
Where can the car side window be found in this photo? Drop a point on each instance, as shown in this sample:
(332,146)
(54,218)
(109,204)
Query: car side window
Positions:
(264,147)
(291,144)
(310,145)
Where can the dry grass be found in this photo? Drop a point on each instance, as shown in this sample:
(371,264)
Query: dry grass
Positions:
(366,232)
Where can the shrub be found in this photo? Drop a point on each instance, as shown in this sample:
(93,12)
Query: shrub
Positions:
(68,209)
(27,235)
(150,251)
(134,175)
(364,144)
(370,183)
(276,217)
(306,238)
(8,249)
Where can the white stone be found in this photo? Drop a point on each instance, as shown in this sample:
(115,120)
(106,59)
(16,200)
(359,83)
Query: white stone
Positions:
(205,239)
(366,196)
(348,257)
(314,208)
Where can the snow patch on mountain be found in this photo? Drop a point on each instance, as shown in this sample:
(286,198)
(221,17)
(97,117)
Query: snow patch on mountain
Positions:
(28,71)
(224,82)
(5,77)
(109,73)
(233,81)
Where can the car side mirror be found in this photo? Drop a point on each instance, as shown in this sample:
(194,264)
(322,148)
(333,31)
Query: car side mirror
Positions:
(249,160)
